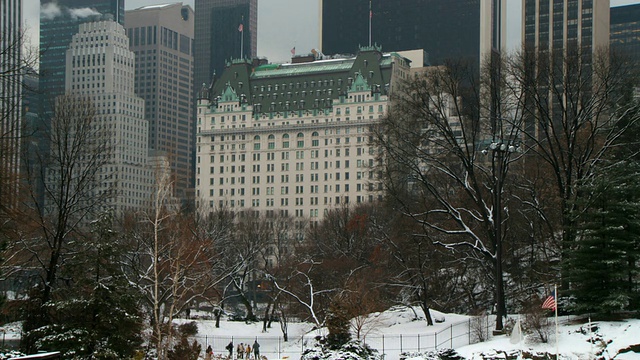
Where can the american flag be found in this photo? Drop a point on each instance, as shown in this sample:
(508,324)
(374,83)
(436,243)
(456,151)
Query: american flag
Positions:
(240,27)
(550,302)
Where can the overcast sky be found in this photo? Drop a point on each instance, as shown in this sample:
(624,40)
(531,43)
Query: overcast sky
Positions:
(284,24)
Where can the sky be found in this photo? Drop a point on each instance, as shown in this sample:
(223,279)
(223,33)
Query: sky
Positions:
(284,24)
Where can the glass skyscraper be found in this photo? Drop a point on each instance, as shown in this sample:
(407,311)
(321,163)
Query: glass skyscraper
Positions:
(218,38)
(625,30)
(452,29)
(11,71)
(558,24)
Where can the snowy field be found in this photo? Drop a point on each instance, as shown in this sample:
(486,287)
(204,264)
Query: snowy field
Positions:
(396,331)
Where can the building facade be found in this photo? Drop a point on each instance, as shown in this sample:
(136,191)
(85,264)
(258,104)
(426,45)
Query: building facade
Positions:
(59,21)
(100,67)
(161,37)
(224,30)
(624,31)
(453,29)
(11,72)
(563,24)
(293,139)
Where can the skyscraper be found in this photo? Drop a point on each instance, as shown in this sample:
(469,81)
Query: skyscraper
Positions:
(100,67)
(625,30)
(562,34)
(161,36)
(224,30)
(59,20)
(562,24)
(452,29)
(11,71)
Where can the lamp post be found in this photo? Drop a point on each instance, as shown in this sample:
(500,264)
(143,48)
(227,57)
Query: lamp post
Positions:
(500,152)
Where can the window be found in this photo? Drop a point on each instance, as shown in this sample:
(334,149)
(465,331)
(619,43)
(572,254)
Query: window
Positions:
(300,140)
(272,144)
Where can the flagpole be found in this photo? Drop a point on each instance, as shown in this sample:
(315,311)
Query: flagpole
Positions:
(242,38)
(370,16)
(555,290)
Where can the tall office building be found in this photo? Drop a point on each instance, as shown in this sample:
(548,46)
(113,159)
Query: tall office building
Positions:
(293,139)
(10,98)
(59,20)
(161,36)
(572,29)
(452,29)
(224,30)
(625,30)
(565,24)
(100,67)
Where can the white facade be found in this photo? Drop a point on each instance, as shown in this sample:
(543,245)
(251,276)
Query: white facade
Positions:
(300,163)
(100,66)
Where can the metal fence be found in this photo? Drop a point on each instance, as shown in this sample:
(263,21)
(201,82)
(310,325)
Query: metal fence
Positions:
(455,335)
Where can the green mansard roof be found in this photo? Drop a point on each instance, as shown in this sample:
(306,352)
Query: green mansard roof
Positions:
(303,86)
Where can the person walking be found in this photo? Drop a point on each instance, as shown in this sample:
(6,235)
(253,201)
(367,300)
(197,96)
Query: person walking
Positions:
(229,348)
(256,350)
(208,353)
(248,351)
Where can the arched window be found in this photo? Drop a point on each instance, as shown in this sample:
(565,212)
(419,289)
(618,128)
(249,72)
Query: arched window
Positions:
(300,137)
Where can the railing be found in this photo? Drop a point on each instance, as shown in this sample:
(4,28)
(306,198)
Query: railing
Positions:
(456,335)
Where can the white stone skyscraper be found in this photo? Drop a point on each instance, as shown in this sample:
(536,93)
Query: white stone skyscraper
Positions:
(100,67)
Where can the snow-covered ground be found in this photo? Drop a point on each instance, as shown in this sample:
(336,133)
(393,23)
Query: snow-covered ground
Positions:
(398,331)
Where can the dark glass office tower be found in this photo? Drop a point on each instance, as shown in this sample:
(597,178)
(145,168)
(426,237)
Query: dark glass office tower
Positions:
(59,21)
(11,92)
(625,30)
(218,37)
(558,24)
(452,29)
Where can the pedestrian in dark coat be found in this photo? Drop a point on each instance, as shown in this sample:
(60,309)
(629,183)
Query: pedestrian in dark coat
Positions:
(229,347)
(256,349)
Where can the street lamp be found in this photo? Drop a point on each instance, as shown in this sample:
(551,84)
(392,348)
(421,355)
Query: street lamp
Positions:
(500,152)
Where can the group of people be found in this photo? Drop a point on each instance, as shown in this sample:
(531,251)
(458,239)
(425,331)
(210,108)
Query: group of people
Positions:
(244,350)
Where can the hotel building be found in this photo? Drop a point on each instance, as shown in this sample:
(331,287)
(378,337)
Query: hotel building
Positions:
(293,139)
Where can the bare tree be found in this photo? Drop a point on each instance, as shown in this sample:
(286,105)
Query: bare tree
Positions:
(466,159)
(17,59)
(299,285)
(72,177)
(275,259)
(447,152)
(577,105)
(170,261)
